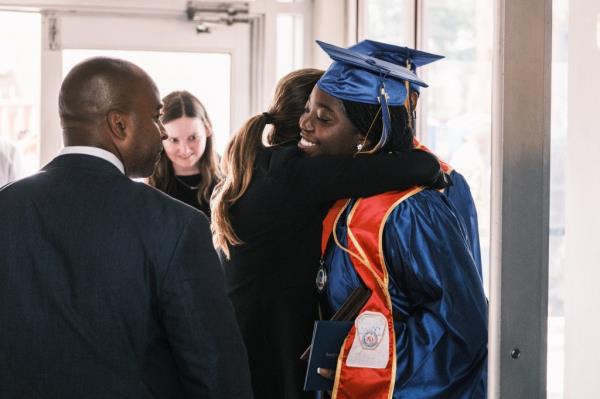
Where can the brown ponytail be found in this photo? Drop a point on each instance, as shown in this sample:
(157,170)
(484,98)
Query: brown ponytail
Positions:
(237,165)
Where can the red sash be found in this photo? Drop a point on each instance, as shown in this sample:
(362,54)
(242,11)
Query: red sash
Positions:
(365,223)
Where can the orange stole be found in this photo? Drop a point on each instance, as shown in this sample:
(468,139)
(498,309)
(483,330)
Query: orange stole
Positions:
(365,225)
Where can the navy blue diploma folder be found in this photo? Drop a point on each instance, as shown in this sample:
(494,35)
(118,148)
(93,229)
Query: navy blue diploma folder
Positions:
(328,337)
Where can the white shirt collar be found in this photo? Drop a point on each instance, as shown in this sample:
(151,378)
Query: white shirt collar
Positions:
(95,152)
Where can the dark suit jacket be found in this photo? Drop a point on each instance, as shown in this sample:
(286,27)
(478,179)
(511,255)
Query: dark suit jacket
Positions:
(110,289)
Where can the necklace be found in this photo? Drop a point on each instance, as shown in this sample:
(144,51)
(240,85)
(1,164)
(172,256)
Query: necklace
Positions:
(196,187)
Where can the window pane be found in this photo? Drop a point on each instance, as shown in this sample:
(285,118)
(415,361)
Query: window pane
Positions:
(455,111)
(290,43)
(389,21)
(205,75)
(20,71)
(558,146)
(456,114)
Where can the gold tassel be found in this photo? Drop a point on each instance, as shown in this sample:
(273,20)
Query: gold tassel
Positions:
(407,104)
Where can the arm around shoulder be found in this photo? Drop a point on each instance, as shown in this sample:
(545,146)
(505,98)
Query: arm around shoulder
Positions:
(328,178)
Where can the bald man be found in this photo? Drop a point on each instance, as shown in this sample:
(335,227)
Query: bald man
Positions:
(108,287)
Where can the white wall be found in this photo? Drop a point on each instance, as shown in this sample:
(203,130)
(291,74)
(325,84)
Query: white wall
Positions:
(582,296)
(329,25)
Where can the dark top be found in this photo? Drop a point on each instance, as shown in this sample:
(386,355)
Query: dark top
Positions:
(271,277)
(111,289)
(185,189)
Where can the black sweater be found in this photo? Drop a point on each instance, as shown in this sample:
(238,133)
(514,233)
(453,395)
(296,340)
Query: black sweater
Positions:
(181,188)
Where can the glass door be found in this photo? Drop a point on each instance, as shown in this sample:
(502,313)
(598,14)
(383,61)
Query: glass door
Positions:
(213,66)
(20,69)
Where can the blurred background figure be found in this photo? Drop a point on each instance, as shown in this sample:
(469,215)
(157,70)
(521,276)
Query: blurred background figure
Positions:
(11,165)
(188,167)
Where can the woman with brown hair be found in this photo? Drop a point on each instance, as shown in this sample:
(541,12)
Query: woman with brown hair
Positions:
(188,167)
(266,222)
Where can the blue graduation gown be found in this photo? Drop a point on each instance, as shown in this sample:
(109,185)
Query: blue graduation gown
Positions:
(441,338)
(462,199)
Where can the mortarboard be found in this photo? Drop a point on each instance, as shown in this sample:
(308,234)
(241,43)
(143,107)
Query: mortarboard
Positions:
(405,56)
(358,77)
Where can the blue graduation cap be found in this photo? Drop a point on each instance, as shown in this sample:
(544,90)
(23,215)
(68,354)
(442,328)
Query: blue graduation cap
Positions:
(359,77)
(355,76)
(405,56)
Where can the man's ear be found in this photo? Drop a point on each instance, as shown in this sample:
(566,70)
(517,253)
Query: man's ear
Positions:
(118,122)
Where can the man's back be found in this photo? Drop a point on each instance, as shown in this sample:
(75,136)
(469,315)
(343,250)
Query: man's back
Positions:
(110,290)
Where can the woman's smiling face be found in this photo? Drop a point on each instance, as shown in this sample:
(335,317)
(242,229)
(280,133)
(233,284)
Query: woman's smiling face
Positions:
(185,144)
(325,128)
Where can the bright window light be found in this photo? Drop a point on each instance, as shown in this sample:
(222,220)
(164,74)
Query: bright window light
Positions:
(20,86)
(289,43)
(205,75)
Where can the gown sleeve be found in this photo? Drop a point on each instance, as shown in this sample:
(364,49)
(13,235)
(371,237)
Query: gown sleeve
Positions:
(328,178)
(459,194)
(441,340)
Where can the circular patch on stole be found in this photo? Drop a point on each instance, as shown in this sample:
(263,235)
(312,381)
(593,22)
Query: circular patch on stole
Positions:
(370,329)
(321,280)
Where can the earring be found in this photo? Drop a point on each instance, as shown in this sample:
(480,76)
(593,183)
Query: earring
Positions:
(359,146)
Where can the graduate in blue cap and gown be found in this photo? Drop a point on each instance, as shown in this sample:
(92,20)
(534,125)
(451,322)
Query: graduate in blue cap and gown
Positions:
(423,331)
(458,190)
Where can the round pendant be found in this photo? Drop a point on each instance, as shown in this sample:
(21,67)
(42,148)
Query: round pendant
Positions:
(321,280)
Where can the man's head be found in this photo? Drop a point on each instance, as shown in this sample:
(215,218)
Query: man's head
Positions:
(114,105)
